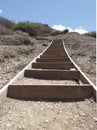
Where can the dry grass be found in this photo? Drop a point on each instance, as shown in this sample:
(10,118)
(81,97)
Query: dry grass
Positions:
(14,51)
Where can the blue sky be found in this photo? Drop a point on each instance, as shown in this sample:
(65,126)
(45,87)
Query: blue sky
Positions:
(73,14)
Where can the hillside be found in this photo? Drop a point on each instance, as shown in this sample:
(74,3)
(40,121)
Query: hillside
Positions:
(32,28)
(82,49)
(5,22)
(17,46)
(17,49)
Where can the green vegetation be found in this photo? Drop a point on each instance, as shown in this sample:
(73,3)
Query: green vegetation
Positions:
(91,34)
(33,29)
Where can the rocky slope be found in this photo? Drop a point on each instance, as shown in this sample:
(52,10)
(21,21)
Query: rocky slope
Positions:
(16,51)
(82,49)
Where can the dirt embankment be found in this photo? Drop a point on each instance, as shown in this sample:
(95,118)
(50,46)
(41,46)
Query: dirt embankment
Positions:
(82,49)
(16,51)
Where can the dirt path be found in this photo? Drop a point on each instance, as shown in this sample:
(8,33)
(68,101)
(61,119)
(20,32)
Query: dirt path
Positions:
(46,115)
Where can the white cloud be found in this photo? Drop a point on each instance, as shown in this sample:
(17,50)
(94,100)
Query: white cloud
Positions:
(58,27)
(78,30)
(1,11)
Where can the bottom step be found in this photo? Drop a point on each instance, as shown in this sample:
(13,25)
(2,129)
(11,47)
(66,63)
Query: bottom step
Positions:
(29,92)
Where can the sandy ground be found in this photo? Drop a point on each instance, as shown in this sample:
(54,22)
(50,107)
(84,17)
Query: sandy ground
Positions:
(47,115)
(34,81)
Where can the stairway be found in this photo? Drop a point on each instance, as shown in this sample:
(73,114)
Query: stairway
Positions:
(51,76)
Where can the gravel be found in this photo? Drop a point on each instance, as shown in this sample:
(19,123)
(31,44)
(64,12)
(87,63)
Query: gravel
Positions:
(47,115)
(34,81)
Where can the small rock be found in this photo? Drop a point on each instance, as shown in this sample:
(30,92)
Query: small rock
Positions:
(9,120)
(44,44)
(47,121)
(23,126)
(60,112)
(8,125)
(82,124)
(82,114)
(95,119)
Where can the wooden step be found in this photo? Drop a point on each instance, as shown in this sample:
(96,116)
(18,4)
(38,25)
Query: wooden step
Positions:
(53,65)
(29,92)
(53,60)
(53,57)
(54,53)
(52,74)
(57,55)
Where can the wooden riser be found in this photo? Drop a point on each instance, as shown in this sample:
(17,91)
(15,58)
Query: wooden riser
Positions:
(53,65)
(57,55)
(29,92)
(54,57)
(54,52)
(53,60)
(53,74)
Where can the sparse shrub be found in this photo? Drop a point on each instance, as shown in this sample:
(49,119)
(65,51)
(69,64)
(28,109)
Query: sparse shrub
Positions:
(6,23)
(4,31)
(32,29)
(15,51)
(91,34)
(15,40)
